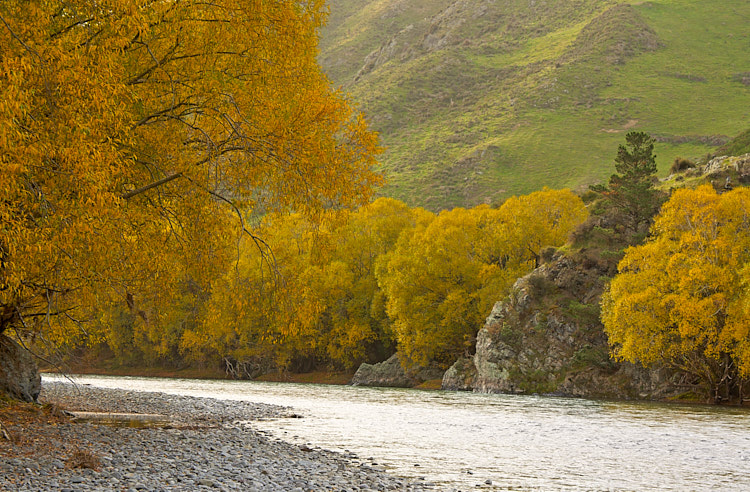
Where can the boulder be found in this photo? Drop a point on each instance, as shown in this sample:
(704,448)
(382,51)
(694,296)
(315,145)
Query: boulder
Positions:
(626,381)
(391,373)
(727,167)
(19,374)
(388,373)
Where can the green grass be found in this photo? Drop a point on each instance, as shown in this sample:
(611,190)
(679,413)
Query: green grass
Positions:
(480,102)
(535,50)
(737,146)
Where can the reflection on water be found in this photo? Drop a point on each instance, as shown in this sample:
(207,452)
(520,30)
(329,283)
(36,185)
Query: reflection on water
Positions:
(465,440)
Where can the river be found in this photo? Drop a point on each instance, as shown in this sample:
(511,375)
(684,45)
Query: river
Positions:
(500,442)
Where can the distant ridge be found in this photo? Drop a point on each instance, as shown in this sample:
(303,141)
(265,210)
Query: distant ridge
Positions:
(480,100)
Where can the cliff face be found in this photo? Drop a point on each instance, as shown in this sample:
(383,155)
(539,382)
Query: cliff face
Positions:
(545,337)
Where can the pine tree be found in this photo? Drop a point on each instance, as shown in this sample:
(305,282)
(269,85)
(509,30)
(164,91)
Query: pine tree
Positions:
(630,198)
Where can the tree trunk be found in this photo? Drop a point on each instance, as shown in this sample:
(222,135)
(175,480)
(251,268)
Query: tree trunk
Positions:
(19,375)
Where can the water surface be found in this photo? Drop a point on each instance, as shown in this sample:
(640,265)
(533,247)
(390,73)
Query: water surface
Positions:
(465,440)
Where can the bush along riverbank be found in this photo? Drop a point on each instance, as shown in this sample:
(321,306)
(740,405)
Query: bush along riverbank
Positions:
(187,444)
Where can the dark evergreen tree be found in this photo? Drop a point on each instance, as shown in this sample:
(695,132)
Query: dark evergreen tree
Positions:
(630,193)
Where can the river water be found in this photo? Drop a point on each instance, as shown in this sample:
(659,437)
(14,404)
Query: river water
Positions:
(465,441)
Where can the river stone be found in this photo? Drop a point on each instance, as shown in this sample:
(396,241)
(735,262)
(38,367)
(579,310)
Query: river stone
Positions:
(389,373)
(19,375)
(392,373)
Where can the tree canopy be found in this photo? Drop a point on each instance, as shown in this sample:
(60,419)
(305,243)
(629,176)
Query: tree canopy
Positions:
(136,136)
(351,287)
(442,279)
(682,297)
(323,306)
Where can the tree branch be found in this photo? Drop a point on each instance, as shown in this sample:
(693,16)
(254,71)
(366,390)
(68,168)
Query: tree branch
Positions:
(131,194)
(26,46)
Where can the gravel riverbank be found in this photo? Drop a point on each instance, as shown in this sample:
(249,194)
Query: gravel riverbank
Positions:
(207,444)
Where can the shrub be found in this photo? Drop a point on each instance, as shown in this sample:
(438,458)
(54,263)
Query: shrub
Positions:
(511,334)
(595,356)
(541,286)
(681,164)
(548,254)
(583,313)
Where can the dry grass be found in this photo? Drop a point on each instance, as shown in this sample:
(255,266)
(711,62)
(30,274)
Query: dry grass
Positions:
(28,428)
(82,458)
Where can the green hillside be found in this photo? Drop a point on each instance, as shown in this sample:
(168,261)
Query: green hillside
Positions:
(480,100)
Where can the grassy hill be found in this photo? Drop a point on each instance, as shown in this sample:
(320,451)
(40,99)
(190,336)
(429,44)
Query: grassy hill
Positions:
(480,100)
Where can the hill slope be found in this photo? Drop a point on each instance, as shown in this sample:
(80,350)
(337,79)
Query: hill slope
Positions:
(480,100)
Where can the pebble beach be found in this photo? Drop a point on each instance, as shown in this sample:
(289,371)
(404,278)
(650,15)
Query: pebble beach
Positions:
(193,444)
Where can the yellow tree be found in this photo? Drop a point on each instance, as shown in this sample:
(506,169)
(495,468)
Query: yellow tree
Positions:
(360,328)
(321,307)
(134,134)
(682,297)
(543,218)
(263,315)
(443,278)
(433,280)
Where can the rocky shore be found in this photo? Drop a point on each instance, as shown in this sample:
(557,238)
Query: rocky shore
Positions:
(197,444)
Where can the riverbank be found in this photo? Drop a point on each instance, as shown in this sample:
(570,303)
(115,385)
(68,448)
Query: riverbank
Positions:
(208,444)
(315,377)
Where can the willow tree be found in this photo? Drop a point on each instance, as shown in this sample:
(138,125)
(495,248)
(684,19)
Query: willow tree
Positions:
(324,308)
(442,279)
(136,135)
(681,299)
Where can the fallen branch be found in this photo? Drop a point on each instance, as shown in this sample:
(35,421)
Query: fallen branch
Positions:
(4,432)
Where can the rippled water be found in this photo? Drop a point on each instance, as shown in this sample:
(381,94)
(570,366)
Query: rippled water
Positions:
(462,440)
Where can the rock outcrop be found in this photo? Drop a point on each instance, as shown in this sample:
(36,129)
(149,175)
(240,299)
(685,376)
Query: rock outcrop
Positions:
(546,338)
(739,164)
(460,376)
(392,373)
(19,375)
(727,171)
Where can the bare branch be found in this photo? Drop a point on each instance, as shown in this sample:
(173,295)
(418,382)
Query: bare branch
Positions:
(72,26)
(142,189)
(29,49)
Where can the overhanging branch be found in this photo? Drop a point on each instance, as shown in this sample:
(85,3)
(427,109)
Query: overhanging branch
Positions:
(131,194)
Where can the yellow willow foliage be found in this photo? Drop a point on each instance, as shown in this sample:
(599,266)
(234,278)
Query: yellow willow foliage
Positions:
(442,279)
(132,130)
(359,325)
(322,304)
(259,311)
(682,297)
(543,218)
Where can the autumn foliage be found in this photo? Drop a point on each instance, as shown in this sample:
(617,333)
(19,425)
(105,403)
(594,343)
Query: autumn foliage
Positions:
(138,137)
(682,298)
(181,183)
(442,280)
(358,285)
